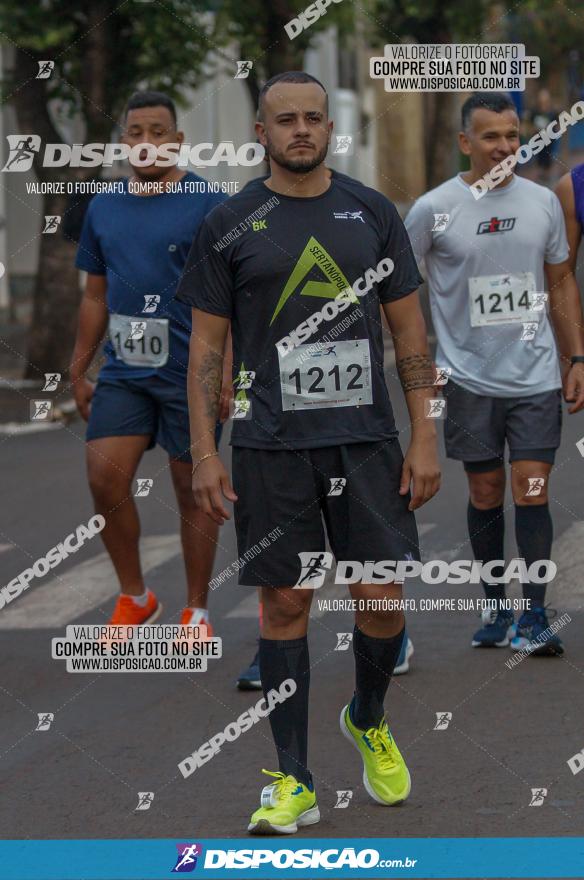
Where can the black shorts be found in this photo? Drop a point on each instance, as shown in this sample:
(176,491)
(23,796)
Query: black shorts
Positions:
(293,491)
(477,427)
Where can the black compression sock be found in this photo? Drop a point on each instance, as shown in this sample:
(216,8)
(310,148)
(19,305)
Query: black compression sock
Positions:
(486,529)
(280,660)
(375,660)
(534,534)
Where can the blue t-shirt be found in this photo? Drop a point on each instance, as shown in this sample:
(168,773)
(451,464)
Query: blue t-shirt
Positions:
(577,174)
(141,244)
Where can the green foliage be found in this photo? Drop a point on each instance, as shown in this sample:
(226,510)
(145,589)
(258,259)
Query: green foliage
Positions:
(103,50)
(550,30)
(132,44)
(258,28)
(432,21)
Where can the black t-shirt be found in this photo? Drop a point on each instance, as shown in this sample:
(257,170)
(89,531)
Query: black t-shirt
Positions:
(269,262)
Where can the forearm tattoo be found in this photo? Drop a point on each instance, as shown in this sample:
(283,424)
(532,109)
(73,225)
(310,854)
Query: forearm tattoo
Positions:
(210,375)
(415,371)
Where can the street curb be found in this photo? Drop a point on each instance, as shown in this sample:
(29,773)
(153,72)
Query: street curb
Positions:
(62,414)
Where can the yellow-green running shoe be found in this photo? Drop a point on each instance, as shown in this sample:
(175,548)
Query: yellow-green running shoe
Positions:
(286,805)
(385,775)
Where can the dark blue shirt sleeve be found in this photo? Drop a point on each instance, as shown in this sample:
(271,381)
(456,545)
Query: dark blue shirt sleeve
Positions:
(405,277)
(89,253)
(207,282)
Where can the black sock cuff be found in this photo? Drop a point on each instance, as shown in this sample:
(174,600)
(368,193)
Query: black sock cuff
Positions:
(359,634)
(532,511)
(282,644)
(489,511)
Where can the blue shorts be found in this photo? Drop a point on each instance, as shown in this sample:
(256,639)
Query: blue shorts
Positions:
(154,406)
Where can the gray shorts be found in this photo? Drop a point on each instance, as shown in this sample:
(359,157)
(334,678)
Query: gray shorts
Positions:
(476,427)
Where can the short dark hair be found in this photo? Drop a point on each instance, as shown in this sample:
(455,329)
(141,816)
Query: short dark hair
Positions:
(290,76)
(495,101)
(150,99)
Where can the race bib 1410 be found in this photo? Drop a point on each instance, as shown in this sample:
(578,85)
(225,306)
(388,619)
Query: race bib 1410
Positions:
(139,342)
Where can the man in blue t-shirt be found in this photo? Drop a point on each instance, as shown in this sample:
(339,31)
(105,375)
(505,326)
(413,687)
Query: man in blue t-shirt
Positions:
(133,246)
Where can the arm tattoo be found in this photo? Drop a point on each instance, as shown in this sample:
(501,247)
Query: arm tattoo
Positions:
(415,372)
(210,376)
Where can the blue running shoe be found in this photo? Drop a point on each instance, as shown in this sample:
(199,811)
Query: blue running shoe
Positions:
(250,680)
(496,629)
(403,661)
(534,636)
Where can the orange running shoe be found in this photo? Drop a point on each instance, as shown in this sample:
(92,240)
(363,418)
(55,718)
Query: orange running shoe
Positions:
(128,613)
(194,617)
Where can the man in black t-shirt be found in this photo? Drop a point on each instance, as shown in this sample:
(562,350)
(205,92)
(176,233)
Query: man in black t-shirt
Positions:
(249,679)
(299,265)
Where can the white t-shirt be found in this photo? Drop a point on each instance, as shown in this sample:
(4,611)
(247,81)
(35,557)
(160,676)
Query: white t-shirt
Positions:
(485,264)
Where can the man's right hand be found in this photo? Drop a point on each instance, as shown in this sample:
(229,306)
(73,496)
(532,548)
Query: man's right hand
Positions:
(83,391)
(210,482)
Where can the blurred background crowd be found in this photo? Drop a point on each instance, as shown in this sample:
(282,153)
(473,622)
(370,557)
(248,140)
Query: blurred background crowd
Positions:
(403,143)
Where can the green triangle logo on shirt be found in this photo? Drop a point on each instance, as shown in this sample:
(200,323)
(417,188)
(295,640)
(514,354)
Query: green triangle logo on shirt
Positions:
(241,395)
(314,254)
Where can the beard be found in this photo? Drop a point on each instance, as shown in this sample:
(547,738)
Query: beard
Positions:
(297,166)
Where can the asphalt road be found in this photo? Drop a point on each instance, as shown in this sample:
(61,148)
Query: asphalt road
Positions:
(116,735)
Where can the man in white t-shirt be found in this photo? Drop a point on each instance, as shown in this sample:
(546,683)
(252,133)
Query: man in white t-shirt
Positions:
(489,250)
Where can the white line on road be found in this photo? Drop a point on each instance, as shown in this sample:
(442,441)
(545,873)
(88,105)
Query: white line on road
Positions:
(80,589)
(12,428)
(566,591)
(248,607)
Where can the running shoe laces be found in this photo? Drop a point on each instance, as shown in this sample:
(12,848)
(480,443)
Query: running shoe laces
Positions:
(383,746)
(279,790)
(126,611)
(489,616)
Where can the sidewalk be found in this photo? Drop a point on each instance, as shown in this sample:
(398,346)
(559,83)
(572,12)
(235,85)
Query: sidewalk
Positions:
(17,394)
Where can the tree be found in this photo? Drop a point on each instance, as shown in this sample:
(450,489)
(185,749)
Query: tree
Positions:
(258,30)
(433,21)
(102,51)
(548,29)
(555,34)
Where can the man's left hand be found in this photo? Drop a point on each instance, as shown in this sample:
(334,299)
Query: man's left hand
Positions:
(422,469)
(574,388)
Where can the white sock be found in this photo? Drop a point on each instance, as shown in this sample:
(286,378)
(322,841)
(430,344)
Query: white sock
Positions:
(140,600)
